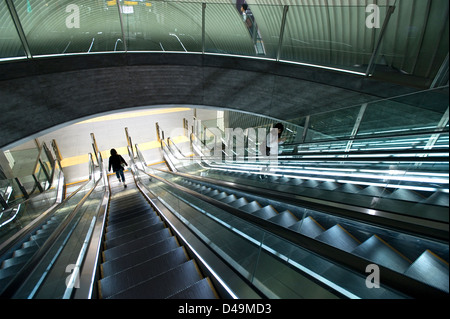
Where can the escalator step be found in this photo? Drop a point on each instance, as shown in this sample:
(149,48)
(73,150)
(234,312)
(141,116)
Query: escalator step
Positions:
(285,219)
(144,222)
(131,214)
(141,272)
(308,227)
(251,207)
(431,269)
(133,220)
(212,193)
(113,211)
(220,196)
(202,289)
(238,203)
(136,244)
(407,195)
(380,252)
(338,237)
(11,271)
(164,285)
(438,198)
(137,234)
(117,211)
(266,212)
(142,254)
(229,199)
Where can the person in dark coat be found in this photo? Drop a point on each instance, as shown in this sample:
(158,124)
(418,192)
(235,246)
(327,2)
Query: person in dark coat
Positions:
(115,162)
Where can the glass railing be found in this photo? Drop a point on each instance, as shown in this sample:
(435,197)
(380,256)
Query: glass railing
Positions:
(56,270)
(17,218)
(348,36)
(349,156)
(32,170)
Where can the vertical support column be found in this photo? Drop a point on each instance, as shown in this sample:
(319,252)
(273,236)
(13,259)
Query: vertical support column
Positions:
(56,150)
(380,38)
(95,148)
(283,24)
(158,136)
(19,28)
(121,27)
(355,130)
(203,27)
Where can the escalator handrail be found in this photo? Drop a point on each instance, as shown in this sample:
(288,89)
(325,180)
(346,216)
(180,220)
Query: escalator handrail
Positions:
(88,272)
(27,269)
(395,280)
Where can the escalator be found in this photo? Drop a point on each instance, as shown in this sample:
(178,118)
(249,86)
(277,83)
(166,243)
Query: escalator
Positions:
(421,261)
(141,256)
(16,259)
(424,259)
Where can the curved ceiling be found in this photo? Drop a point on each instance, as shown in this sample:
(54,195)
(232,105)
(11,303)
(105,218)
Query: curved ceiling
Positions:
(60,62)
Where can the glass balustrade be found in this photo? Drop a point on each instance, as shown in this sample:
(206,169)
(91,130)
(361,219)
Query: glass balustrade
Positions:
(406,38)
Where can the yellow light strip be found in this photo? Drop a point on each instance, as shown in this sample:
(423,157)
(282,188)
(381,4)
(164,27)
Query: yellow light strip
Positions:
(80,159)
(120,116)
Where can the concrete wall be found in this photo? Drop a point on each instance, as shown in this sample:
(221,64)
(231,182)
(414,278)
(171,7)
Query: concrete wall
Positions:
(38,94)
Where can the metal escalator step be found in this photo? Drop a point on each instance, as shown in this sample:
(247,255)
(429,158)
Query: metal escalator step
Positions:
(202,289)
(137,234)
(11,271)
(338,237)
(131,214)
(30,249)
(308,227)
(266,212)
(438,198)
(21,260)
(133,245)
(431,269)
(377,250)
(132,207)
(212,193)
(124,202)
(115,211)
(251,207)
(295,181)
(238,203)
(407,195)
(132,220)
(229,199)
(374,191)
(350,188)
(142,254)
(328,185)
(220,196)
(127,201)
(310,183)
(285,219)
(143,222)
(141,272)
(164,285)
